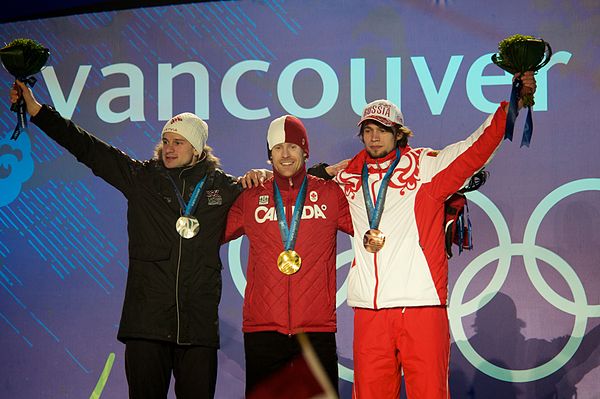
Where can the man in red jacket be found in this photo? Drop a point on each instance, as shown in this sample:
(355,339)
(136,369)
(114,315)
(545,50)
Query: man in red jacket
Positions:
(291,222)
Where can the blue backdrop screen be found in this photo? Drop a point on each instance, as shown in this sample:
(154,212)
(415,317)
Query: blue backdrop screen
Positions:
(524,304)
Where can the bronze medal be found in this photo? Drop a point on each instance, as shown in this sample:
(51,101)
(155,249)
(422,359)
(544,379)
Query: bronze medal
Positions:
(289,262)
(373,240)
(187,226)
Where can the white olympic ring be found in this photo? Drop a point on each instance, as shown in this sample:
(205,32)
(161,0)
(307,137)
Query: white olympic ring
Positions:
(530,253)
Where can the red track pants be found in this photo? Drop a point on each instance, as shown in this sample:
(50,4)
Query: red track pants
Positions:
(413,340)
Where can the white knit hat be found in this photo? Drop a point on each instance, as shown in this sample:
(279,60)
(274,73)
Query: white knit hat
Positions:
(192,128)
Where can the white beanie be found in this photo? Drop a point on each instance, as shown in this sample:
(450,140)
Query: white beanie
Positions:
(192,128)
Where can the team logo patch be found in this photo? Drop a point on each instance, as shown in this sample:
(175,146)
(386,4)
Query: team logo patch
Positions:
(263,200)
(214,197)
(433,154)
(313,196)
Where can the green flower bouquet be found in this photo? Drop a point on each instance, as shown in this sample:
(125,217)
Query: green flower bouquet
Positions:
(23,58)
(520,53)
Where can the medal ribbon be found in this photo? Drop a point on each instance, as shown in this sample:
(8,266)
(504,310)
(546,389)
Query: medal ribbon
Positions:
(374,213)
(191,205)
(289,234)
(512,114)
(19,107)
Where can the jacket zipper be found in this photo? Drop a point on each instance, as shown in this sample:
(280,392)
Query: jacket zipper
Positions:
(375,254)
(289,210)
(178,268)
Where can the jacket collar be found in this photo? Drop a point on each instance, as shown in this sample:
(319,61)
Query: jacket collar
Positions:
(356,164)
(287,183)
(197,170)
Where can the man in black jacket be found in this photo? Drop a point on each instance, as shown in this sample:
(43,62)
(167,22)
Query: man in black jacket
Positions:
(177,208)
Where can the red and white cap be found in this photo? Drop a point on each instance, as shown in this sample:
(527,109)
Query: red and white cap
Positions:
(191,127)
(287,129)
(382,111)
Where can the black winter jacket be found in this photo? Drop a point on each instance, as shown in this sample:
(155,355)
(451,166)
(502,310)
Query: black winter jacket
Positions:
(173,284)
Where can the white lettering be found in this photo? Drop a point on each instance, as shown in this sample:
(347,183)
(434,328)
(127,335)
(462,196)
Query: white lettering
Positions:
(67,106)
(436,97)
(166,74)
(318,213)
(307,212)
(263,214)
(229,90)
(135,90)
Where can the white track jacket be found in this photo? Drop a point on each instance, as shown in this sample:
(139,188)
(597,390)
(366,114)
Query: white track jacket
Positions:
(411,269)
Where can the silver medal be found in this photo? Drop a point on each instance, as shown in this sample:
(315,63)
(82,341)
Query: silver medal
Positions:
(187,226)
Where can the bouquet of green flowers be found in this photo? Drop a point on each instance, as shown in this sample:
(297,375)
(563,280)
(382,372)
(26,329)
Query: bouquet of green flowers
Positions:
(521,53)
(23,58)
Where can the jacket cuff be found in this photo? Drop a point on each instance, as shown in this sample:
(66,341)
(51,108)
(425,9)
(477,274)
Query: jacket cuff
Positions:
(43,114)
(318,170)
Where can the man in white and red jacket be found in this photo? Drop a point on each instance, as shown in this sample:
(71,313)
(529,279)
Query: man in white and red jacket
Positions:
(280,303)
(398,282)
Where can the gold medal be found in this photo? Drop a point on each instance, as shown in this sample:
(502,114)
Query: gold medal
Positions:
(289,262)
(187,226)
(373,240)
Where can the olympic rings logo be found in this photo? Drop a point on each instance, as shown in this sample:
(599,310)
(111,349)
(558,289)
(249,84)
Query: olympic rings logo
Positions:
(530,253)
(505,250)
